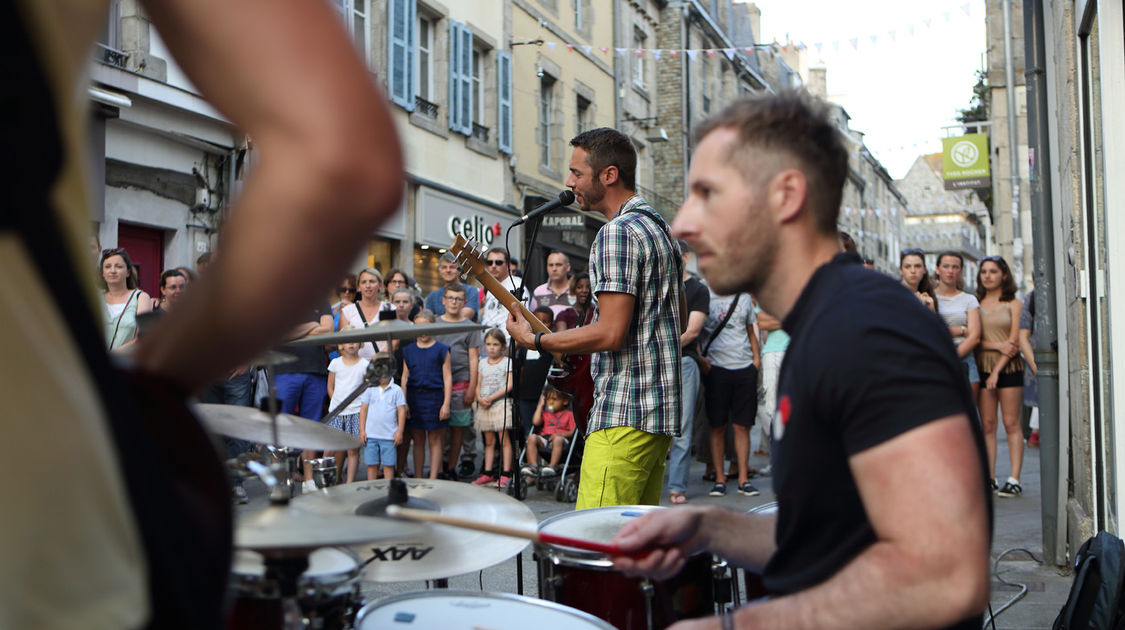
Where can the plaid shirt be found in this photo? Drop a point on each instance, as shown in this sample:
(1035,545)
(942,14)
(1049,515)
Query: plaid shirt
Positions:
(639,385)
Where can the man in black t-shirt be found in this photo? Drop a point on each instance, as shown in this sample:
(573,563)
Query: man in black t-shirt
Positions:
(698,300)
(884,514)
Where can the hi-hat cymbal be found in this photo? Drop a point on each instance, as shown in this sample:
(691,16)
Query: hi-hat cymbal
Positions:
(430,551)
(253,425)
(272,357)
(388,329)
(279,528)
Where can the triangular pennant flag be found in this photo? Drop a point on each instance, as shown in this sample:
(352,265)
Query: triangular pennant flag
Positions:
(710,52)
(966,7)
(729,52)
(819,46)
(586,49)
(928,22)
(673,53)
(639,51)
(854,42)
(605,50)
(874,39)
(892,34)
(656,53)
(550,45)
(910,29)
(570,47)
(620,51)
(692,54)
(836,46)
(749,49)
(946,16)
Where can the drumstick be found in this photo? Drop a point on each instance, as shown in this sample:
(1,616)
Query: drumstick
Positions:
(503,530)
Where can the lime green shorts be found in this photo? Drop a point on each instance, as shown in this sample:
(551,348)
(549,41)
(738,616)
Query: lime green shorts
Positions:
(622,466)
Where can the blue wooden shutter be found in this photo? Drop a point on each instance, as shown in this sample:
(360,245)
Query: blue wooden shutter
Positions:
(460,78)
(504,90)
(400,67)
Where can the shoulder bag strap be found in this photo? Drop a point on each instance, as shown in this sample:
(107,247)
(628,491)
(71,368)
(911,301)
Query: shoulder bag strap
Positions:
(359,309)
(722,324)
(119,316)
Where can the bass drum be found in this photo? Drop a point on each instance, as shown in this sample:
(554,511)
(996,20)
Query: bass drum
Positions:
(589,582)
(755,588)
(328,592)
(465,610)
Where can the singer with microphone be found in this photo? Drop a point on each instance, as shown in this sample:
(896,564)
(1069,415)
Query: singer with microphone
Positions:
(635,265)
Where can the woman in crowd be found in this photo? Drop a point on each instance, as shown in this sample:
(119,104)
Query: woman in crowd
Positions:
(345,295)
(366,309)
(961,313)
(123,299)
(583,297)
(912,270)
(398,279)
(1001,368)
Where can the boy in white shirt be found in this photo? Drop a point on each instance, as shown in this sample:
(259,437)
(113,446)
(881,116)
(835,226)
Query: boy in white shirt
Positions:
(382,420)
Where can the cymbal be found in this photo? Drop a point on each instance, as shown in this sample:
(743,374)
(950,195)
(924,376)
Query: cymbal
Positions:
(287,528)
(388,329)
(253,425)
(272,357)
(430,551)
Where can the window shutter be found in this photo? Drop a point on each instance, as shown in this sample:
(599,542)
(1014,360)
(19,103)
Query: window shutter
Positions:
(400,70)
(504,90)
(466,80)
(454,77)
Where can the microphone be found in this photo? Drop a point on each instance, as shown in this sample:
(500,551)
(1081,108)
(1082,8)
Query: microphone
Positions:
(565,198)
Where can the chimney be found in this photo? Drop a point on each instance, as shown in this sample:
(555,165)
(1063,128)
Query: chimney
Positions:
(817,84)
(754,15)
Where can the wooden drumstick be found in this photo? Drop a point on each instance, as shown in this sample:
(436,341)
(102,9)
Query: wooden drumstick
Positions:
(503,530)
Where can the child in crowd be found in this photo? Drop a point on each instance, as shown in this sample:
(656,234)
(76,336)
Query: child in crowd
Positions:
(345,374)
(558,427)
(382,422)
(428,383)
(494,409)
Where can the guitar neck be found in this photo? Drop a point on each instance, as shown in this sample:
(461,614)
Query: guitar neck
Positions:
(493,286)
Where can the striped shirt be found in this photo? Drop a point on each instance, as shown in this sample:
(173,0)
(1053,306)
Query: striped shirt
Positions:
(639,385)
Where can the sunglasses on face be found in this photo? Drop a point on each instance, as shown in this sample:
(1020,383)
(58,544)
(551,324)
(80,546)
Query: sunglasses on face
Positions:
(345,290)
(991,259)
(495,263)
(912,251)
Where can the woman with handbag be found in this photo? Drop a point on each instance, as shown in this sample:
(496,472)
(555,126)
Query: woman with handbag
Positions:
(123,299)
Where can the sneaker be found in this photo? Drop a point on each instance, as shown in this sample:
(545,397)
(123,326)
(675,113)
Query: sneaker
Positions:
(748,489)
(719,490)
(504,481)
(547,471)
(1034,439)
(527,471)
(240,495)
(766,472)
(1010,490)
(309,486)
(485,478)
(995,486)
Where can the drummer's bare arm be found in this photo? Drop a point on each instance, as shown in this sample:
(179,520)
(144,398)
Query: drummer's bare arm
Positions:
(329,172)
(929,564)
(746,540)
(615,313)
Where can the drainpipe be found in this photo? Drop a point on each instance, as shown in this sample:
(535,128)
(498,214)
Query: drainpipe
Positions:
(1046,312)
(1013,144)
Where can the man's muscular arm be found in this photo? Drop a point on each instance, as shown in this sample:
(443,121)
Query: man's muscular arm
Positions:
(615,313)
(929,565)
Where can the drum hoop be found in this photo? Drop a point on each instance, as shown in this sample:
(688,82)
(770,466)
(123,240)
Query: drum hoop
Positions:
(539,603)
(570,556)
(329,582)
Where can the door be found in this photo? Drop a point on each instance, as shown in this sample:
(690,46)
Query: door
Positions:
(146,249)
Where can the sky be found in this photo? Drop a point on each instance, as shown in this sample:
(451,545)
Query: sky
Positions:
(900,89)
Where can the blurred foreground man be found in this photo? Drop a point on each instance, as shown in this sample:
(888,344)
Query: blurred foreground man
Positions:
(884,513)
(131,525)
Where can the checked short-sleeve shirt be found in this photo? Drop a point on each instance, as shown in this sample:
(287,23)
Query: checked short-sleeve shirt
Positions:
(639,385)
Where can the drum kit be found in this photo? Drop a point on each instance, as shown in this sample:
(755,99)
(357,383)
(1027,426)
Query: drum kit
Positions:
(299,561)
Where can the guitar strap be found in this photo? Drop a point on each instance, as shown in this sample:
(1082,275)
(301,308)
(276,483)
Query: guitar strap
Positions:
(176,485)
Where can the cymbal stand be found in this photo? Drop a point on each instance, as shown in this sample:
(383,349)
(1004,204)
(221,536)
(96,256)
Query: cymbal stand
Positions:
(376,369)
(286,571)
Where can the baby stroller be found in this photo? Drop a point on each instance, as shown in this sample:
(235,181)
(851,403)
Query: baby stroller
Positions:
(561,479)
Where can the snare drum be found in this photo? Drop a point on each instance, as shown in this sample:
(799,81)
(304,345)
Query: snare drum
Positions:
(457,610)
(588,581)
(327,593)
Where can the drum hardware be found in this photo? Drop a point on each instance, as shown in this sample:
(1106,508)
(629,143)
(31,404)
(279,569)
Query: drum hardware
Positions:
(386,330)
(471,609)
(324,471)
(283,430)
(327,592)
(725,587)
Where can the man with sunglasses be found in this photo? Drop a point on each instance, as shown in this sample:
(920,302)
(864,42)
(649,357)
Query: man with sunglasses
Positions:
(492,313)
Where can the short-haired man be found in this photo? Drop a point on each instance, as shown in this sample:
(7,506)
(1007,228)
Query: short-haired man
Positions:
(172,285)
(636,266)
(878,461)
(555,292)
(447,269)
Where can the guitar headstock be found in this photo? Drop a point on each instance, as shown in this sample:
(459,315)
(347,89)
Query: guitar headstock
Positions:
(470,257)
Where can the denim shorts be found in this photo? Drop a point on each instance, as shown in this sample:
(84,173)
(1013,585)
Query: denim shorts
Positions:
(380,452)
(971,372)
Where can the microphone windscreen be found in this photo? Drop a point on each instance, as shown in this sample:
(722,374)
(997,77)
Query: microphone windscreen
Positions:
(566,197)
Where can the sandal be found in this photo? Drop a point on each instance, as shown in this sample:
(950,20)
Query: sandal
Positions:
(676,498)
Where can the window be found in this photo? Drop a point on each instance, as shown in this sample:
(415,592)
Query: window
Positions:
(400,57)
(355,14)
(638,59)
(478,86)
(460,78)
(705,78)
(585,117)
(579,18)
(546,118)
(504,102)
(424,69)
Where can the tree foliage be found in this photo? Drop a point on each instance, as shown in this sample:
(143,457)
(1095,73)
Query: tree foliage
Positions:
(978,112)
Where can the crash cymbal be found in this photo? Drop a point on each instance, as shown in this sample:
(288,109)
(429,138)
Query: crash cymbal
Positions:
(388,329)
(272,357)
(431,551)
(286,528)
(253,425)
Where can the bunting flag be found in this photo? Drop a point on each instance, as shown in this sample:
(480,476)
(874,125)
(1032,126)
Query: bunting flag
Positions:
(550,45)
(729,52)
(587,49)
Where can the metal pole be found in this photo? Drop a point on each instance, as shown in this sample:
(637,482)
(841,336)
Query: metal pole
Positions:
(1046,314)
(1013,145)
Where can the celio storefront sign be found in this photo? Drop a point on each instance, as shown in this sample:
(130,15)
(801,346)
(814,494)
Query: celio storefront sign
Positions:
(440,217)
